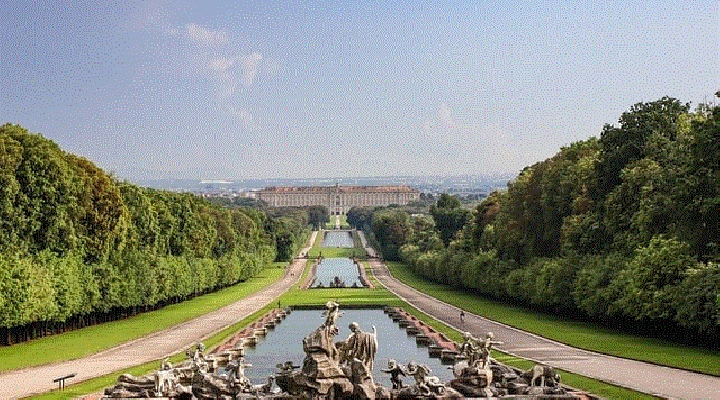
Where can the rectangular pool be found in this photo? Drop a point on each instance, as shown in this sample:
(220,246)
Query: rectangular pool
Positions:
(343,268)
(338,239)
(284,343)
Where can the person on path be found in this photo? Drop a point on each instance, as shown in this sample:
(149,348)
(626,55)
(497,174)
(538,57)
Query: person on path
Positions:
(462,315)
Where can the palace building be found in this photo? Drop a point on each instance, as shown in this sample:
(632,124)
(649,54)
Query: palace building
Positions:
(338,199)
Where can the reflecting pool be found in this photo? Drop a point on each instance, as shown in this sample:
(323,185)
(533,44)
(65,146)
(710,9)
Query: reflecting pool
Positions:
(284,343)
(343,268)
(338,239)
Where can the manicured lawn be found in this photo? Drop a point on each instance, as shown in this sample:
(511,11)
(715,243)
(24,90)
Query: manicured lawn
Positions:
(83,342)
(335,252)
(343,222)
(577,334)
(331,223)
(346,296)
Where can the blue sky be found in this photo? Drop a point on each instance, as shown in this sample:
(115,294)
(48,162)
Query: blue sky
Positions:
(220,89)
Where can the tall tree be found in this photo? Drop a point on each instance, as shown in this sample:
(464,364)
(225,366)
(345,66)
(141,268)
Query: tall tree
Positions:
(392,229)
(449,217)
(318,216)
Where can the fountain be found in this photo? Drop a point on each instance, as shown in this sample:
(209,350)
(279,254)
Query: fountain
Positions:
(343,369)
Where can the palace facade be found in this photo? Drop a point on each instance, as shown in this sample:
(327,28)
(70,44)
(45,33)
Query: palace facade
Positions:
(338,199)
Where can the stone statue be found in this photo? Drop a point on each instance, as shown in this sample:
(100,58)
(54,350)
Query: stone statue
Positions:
(486,346)
(469,348)
(236,377)
(395,371)
(331,315)
(425,384)
(337,283)
(357,353)
(165,379)
(478,375)
(361,346)
(199,364)
(321,374)
(199,351)
(340,370)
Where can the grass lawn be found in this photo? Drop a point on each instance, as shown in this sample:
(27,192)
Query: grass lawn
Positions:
(379,297)
(86,341)
(331,224)
(343,222)
(574,333)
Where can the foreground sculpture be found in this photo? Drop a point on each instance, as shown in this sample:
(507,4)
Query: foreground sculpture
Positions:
(341,369)
(479,375)
(332,369)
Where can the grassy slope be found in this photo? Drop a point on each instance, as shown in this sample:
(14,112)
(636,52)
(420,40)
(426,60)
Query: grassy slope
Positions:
(83,342)
(577,334)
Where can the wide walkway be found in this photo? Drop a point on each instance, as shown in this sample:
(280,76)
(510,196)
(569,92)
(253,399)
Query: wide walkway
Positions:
(643,377)
(28,381)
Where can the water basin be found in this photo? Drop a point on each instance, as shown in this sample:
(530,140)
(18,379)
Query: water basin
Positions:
(338,239)
(343,268)
(284,343)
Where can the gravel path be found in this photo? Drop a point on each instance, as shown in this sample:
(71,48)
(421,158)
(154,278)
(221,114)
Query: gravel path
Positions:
(28,381)
(643,377)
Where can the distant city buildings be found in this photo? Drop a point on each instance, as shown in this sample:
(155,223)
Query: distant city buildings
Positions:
(338,199)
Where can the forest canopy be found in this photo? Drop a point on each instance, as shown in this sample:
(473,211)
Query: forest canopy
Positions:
(623,229)
(77,246)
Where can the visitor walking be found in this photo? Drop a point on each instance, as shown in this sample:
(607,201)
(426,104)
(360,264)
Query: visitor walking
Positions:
(462,316)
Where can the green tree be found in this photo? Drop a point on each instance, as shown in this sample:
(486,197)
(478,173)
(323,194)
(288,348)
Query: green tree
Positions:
(449,217)
(627,143)
(697,297)
(649,282)
(360,217)
(392,229)
(318,216)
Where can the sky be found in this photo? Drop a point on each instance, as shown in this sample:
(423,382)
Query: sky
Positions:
(236,90)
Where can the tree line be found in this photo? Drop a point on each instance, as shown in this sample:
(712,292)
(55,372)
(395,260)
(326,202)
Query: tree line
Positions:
(79,247)
(623,230)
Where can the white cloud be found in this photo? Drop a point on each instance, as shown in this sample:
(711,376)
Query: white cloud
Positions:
(221,64)
(443,126)
(213,54)
(231,75)
(441,122)
(445,116)
(251,64)
(232,71)
(204,36)
(242,115)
